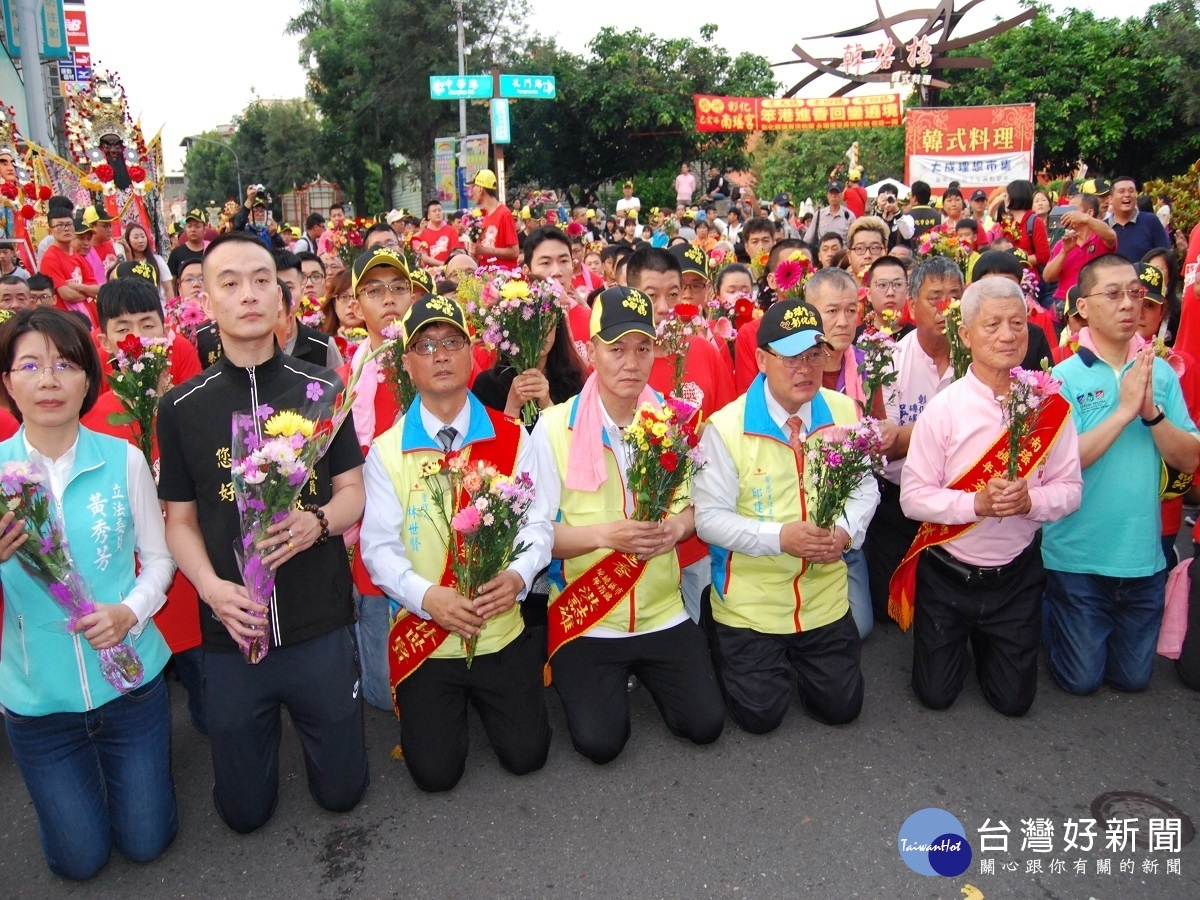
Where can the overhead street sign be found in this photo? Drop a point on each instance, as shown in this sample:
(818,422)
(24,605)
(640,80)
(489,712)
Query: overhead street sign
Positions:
(527,87)
(501,125)
(460,87)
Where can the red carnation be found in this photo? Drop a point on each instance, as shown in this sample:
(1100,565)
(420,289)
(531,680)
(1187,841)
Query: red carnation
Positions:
(9,190)
(137,173)
(686,310)
(104,172)
(669,460)
(28,212)
(130,345)
(45,192)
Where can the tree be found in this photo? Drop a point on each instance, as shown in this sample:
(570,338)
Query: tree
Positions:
(1102,88)
(369,62)
(211,174)
(627,107)
(800,162)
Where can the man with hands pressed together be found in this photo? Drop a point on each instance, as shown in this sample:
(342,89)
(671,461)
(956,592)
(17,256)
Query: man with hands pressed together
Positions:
(616,607)
(312,665)
(1105,570)
(406,553)
(779,586)
(974,571)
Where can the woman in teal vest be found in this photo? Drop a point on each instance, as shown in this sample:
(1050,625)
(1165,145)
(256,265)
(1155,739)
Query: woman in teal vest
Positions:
(96,762)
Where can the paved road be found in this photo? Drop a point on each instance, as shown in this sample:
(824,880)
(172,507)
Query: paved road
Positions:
(808,811)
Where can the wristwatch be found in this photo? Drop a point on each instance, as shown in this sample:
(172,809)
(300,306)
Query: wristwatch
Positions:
(1161,414)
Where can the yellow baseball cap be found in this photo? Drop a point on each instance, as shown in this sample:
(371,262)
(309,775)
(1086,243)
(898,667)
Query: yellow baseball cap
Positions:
(485,178)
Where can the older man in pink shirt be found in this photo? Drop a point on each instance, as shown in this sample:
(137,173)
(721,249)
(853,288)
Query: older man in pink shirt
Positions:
(979,575)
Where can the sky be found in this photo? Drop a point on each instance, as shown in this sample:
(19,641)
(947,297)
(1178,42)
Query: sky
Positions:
(185,71)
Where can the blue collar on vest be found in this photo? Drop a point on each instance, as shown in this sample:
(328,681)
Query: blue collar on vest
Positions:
(757,418)
(416,438)
(87,451)
(574,401)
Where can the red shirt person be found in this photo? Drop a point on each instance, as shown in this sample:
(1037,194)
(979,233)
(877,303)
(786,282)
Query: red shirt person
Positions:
(439,237)
(75,285)
(497,246)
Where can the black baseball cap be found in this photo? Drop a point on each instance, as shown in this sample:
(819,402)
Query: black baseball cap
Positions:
(81,224)
(1072,305)
(619,311)
(979,194)
(1152,280)
(833,186)
(135,269)
(783,198)
(195,215)
(790,327)
(422,280)
(691,259)
(431,308)
(377,256)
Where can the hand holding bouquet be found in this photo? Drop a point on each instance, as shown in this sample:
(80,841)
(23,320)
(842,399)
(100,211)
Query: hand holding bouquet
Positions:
(838,458)
(1021,408)
(141,375)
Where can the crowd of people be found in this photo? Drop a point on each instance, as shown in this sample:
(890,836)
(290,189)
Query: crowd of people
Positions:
(994,555)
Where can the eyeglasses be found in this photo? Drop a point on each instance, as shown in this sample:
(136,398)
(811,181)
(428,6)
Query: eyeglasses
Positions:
(344,297)
(889,286)
(32,371)
(1113,295)
(192,279)
(429,346)
(810,360)
(377,292)
(867,248)
(313,278)
(69,225)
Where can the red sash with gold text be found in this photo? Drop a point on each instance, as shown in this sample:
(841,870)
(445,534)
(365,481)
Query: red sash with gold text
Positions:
(411,639)
(589,598)
(1052,415)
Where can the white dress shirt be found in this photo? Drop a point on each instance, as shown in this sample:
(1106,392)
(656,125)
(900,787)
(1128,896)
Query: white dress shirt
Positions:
(383,523)
(716,496)
(917,382)
(150,537)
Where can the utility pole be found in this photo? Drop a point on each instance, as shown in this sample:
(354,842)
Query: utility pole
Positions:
(499,148)
(462,104)
(31,69)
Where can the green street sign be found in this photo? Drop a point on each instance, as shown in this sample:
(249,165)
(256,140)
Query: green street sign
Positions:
(528,87)
(460,87)
(501,124)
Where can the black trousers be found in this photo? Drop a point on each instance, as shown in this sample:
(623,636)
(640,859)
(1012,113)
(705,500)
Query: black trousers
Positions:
(505,688)
(757,671)
(674,665)
(999,616)
(889,536)
(318,681)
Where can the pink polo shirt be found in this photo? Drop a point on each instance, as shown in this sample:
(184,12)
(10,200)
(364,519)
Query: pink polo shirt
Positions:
(955,430)
(917,382)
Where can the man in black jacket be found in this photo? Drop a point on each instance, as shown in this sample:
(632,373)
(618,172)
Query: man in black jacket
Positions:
(312,664)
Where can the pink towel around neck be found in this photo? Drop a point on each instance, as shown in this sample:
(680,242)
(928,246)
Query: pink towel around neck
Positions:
(585,460)
(851,380)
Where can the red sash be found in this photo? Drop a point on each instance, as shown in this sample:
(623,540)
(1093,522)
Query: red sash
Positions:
(1050,420)
(412,640)
(588,599)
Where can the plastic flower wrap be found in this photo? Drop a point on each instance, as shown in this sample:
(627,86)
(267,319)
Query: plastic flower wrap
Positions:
(274,453)
(960,353)
(1021,408)
(675,333)
(518,319)
(876,368)
(838,457)
(140,376)
(664,457)
(47,558)
(482,511)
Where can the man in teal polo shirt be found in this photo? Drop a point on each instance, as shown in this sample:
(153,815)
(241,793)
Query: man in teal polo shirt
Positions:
(1105,571)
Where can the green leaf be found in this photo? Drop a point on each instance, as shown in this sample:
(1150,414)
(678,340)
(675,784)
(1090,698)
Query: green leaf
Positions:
(121,418)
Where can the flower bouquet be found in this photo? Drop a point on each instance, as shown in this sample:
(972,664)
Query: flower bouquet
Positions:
(1021,408)
(876,369)
(482,510)
(791,275)
(140,376)
(675,333)
(47,558)
(838,458)
(348,239)
(185,316)
(960,353)
(310,312)
(274,453)
(941,243)
(473,225)
(724,314)
(718,260)
(519,321)
(353,335)
(758,265)
(664,456)
(391,369)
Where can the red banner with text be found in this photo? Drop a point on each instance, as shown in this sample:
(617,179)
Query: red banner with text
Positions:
(977,146)
(795,113)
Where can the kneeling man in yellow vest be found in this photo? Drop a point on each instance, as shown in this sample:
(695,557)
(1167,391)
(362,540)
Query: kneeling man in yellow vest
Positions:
(406,554)
(615,602)
(779,593)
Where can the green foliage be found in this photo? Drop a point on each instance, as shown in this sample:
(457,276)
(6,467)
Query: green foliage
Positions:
(1104,88)
(800,162)
(626,107)
(211,173)
(1185,200)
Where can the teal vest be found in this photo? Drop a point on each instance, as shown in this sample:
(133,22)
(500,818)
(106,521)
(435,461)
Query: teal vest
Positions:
(43,669)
